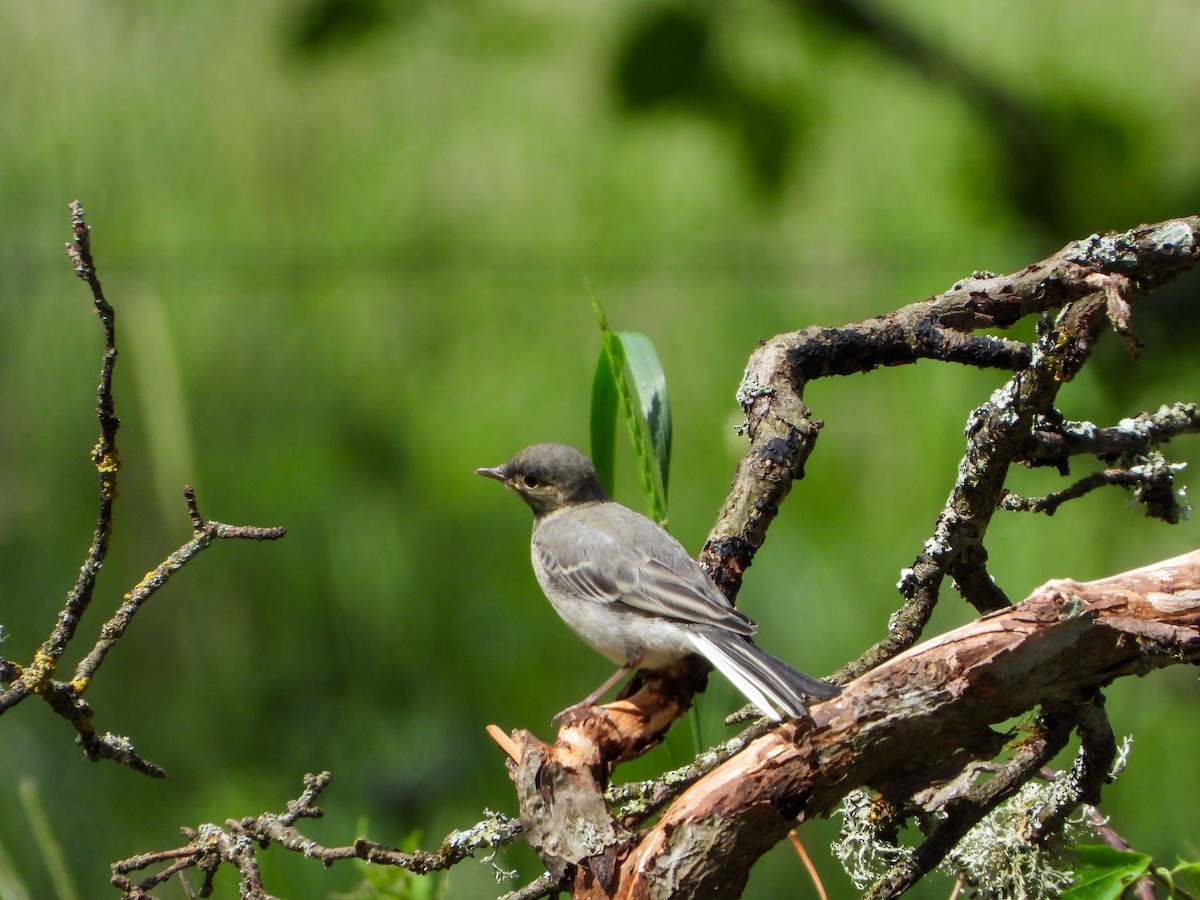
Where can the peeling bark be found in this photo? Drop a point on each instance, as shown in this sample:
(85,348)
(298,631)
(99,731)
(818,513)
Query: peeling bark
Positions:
(943,696)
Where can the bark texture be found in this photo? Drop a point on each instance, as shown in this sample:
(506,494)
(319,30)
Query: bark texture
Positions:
(918,719)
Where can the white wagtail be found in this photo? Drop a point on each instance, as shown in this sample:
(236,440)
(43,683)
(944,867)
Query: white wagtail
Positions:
(631,591)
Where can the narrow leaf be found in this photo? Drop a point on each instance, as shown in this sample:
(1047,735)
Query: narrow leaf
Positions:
(604,419)
(650,386)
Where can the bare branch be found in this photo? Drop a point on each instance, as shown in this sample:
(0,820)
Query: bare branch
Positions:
(1152,478)
(240,840)
(995,432)
(205,533)
(638,801)
(1051,443)
(1097,750)
(545,885)
(37,678)
(104,457)
(782,430)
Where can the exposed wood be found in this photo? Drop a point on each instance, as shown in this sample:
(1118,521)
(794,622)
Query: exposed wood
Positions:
(917,719)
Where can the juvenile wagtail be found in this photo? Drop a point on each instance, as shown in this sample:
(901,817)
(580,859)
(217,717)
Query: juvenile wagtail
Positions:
(631,591)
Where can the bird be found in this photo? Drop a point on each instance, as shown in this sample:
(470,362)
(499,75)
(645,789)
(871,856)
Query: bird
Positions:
(632,592)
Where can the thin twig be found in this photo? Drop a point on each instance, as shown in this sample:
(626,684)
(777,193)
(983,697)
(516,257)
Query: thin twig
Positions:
(38,674)
(1053,442)
(813,875)
(640,800)
(1050,503)
(239,840)
(205,533)
(545,885)
(37,678)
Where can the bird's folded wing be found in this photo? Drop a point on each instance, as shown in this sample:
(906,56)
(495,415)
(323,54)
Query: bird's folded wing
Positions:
(629,560)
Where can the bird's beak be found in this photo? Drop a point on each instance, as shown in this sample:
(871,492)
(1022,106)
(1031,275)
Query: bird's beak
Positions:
(496,473)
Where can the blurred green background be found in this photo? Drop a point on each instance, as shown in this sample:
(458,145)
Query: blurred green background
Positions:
(347,242)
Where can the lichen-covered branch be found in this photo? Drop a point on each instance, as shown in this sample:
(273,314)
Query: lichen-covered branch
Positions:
(995,432)
(966,809)
(104,455)
(1082,784)
(1054,442)
(782,430)
(637,801)
(239,841)
(36,678)
(204,533)
(1061,643)
(1151,478)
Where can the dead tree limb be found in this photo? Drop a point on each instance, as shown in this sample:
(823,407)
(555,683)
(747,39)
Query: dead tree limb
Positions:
(783,431)
(37,678)
(911,716)
(918,718)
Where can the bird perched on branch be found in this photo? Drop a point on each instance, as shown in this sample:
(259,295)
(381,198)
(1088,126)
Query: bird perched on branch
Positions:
(631,591)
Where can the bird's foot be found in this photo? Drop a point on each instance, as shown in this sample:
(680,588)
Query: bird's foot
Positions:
(573,715)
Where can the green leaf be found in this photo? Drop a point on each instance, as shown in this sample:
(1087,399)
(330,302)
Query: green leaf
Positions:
(1184,879)
(605,400)
(54,858)
(650,385)
(629,369)
(1102,873)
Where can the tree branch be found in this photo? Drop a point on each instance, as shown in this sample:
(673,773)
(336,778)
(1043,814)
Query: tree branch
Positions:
(964,811)
(239,841)
(1052,443)
(995,434)
(1051,652)
(37,678)
(1066,639)
(781,428)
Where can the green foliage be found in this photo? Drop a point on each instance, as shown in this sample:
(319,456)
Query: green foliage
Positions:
(393,882)
(12,886)
(629,370)
(671,60)
(50,850)
(1103,873)
(1183,881)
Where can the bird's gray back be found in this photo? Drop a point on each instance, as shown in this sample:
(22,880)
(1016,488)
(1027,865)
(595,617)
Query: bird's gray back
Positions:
(613,555)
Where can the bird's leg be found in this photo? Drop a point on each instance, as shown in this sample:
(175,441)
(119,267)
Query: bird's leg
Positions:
(632,686)
(590,700)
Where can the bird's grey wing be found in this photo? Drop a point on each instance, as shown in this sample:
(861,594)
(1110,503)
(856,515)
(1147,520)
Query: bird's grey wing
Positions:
(610,554)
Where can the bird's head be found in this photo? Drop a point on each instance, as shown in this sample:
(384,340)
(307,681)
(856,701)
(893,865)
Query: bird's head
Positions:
(549,477)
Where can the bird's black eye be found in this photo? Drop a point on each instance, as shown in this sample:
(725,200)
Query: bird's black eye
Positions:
(530,481)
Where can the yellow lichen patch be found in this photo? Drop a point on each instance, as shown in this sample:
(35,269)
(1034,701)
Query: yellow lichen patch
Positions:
(106,459)
(147,581)
(40,671)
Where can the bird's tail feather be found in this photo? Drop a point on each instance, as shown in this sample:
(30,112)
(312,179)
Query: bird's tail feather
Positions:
(768,683)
